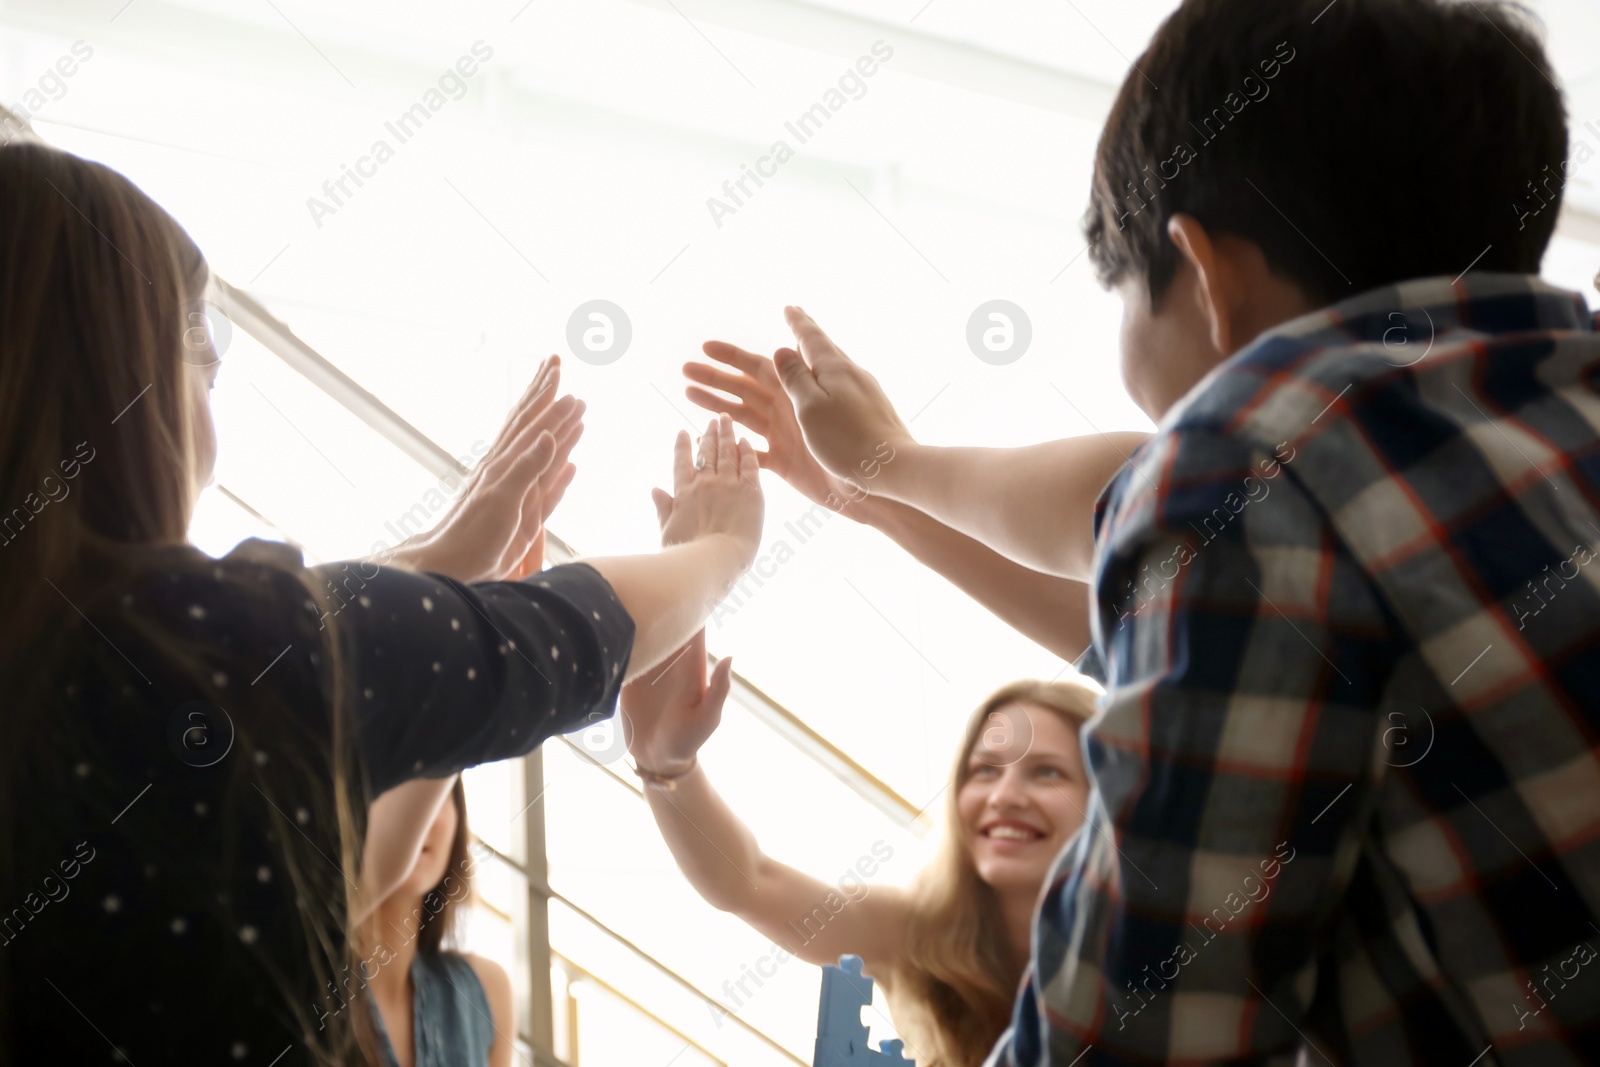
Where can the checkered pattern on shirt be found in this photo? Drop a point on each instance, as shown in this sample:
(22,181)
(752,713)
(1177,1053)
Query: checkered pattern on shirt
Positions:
(1348,766)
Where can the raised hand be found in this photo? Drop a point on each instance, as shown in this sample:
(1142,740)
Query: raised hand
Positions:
(764,408)
(669,712)
(844,415)
(495,529)
(553,484)
(720,496)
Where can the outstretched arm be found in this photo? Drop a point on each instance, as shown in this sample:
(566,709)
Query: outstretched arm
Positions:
(710,531)
(495,530)
(1028,504)
(1034,504)
(667,715)
(1051,611)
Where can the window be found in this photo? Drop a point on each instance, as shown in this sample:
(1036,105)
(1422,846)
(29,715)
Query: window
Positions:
(540,157)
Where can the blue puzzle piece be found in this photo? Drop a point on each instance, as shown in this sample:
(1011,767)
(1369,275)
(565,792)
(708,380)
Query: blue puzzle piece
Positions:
(891,1057)
(841,1035)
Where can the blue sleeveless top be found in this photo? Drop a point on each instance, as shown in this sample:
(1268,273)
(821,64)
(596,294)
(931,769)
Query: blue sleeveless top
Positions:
(450,1013)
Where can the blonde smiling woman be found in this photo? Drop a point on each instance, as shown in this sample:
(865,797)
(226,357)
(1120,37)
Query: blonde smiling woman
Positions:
(950,950)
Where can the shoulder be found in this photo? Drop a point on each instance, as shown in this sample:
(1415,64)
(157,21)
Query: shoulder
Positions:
(1311,406)
(891,910)
(1188,474)
(494,979)
(175,600)
(895,900)
(183,583)
(496,990)
(502,1022)
(1287,393)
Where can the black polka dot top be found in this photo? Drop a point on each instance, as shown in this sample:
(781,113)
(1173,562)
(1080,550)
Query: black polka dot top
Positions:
(179,820)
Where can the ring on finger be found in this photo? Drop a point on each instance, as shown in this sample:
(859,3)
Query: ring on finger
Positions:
(700,462)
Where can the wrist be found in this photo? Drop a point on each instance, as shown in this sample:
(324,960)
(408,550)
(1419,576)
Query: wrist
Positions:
(896,474)
(662,757)
(733,554)
(664,771)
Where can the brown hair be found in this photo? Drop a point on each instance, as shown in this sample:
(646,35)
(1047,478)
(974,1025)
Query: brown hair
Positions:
(97,286)
(1187,134)
(960,979)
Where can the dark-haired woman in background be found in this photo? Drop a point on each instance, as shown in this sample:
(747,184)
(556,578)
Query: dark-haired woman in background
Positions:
(190,744)
(437,1007)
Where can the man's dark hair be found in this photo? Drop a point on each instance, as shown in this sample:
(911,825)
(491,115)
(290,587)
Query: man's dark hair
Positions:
(1358,143)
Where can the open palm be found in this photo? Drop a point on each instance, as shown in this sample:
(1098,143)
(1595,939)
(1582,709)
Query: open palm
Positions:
(669,712)
(764,408)
(495,529)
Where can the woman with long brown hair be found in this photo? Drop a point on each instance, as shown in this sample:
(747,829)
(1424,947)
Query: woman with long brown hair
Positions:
(950,950)
(436,1005)
(190,744)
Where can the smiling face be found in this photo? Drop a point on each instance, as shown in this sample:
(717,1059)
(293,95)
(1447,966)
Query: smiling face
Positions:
(1024,795)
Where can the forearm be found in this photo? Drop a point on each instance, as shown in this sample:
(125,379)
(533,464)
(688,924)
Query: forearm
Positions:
(1053,612)
(670,593)
(1033,505)
(716,852)
(397,821)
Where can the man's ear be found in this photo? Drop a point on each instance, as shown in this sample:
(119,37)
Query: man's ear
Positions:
(1216,287)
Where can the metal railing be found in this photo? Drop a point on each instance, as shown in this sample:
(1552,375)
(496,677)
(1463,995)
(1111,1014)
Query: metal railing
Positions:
(542,888)
(577,973)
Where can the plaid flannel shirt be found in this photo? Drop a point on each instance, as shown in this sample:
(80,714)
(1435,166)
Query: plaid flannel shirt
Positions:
(1347,770)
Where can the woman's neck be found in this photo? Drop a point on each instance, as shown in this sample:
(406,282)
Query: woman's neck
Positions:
(391,947)
(1016,913)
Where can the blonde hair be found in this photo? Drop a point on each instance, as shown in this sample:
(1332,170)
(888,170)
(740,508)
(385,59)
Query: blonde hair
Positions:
(958,982)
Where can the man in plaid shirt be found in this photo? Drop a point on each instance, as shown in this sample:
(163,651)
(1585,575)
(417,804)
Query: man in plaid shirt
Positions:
(1347,603)
(1345,778)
